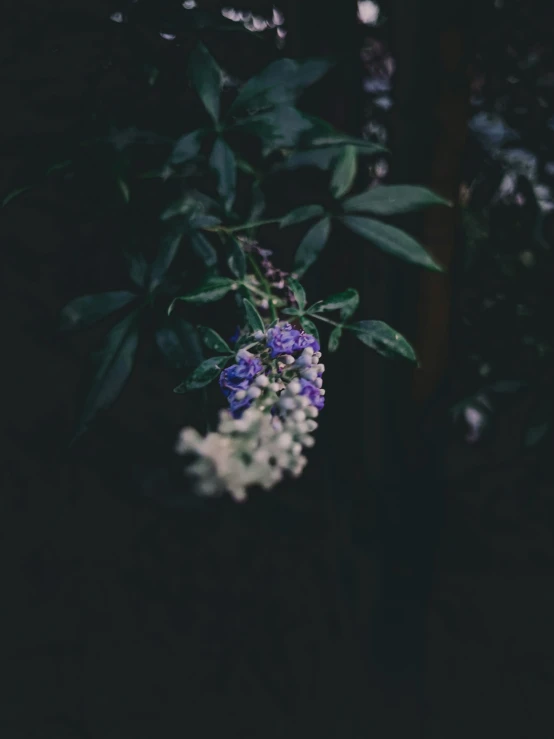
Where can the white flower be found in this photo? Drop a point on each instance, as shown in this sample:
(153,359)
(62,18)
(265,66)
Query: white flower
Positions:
(258,448)
(294,387)
(309,374)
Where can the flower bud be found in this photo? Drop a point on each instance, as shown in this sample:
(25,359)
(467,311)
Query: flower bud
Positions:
(312,412)
(299,416)
(254,392)
(288,359)
(261,381)
(294,387)
(308,441)
(302,401)
(277,424)
(261,455)
(320,369)
(296,449)
(318,382)
(244,354)
(322,391)
(311,425)
(275,386)
(309,374)
(285,440)
(259,335)
(240,394)
(288,404)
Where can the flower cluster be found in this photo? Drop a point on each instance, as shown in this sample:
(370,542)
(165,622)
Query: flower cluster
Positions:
(274,394)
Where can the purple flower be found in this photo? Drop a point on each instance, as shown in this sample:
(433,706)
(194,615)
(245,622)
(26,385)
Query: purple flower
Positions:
(312,393)
(237,406)
(239,376)
(284,339)
(305,340)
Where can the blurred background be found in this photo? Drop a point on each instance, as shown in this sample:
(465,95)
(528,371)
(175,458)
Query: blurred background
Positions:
(403,585)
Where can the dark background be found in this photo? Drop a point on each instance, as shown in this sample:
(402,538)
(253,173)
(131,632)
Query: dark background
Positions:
(402,587)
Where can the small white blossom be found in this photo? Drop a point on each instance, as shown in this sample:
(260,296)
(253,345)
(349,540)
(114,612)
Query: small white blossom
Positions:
(287,404)
(294,387)
(309,374)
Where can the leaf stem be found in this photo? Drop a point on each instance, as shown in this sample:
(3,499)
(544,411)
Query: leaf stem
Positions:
(325,320)
(243,226)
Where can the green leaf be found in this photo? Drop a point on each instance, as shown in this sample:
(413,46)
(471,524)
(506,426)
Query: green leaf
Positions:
(338,301)
(179,343)
(311,245)
(304,213)
(388,200)
(319,158)
(291,312)
(203,374)
(212,289)
(14,193)
(366,147)
(170,243)
(334,338)
(391,240)
(258,203)
(114,365)
(298,292)
(203,220)
(237,260)
(138,269)
(187,147)
(309,327)
(280,82)
(203,248)
(345,172)
(385,340)
(348,309)
(88,309)
(222,161)
(243,166)
(213,340)
(254,319)
(124,189)
(205,75)
(278,128)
